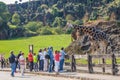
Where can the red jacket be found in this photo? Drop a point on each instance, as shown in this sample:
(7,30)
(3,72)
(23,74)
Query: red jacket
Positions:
(30,57)
(57,57)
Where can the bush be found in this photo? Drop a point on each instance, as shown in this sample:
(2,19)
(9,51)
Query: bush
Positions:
(45,31)
(69,31)
(57,30)
(33,26)
(29,33)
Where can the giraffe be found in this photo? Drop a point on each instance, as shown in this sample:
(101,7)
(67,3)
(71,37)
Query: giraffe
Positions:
(99,39)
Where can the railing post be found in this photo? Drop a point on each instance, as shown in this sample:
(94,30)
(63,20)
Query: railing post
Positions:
(103,67)
(73,63)
(90,66)
(114,65)
(31,48)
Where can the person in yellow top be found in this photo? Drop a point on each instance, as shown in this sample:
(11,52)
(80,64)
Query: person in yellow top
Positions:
(35,61)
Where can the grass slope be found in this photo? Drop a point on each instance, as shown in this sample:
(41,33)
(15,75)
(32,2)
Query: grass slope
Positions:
(57,41)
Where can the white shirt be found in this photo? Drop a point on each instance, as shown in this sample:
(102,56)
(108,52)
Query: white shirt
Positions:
(22,60)
(41,56)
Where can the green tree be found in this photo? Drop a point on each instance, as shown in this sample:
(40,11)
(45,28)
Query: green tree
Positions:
(33,26)
(69,17)
(16,19)
(58,22)
(4,18)
(44,9)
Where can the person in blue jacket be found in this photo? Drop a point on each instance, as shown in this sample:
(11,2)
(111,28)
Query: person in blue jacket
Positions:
(50,53)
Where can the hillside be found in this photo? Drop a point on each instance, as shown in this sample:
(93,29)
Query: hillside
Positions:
(79,9)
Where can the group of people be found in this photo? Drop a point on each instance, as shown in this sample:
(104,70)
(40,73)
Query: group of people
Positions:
(46,60)
(2,61)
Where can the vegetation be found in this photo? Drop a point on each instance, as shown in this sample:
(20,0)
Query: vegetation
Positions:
(17,44)
(31,17)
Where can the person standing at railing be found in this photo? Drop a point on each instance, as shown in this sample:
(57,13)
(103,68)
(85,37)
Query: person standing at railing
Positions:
(62,53)
(30,59)
(12,63)
(45,59)
(35,61)
(22,64)
(41,60)
(57,61)
(50,53)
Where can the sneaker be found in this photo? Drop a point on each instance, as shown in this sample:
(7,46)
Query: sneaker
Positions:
(12,75)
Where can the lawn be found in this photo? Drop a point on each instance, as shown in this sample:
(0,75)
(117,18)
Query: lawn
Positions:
(57,41)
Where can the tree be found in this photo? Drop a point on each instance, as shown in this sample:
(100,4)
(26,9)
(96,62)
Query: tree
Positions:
(43,10)
(16,19)
(4,18)
(59,22)
(69,17)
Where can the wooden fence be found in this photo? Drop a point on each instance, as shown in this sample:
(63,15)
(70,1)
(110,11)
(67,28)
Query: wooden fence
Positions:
(90,58)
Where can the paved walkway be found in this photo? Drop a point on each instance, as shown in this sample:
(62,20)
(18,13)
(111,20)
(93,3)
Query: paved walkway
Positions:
(63,75)
(6,76)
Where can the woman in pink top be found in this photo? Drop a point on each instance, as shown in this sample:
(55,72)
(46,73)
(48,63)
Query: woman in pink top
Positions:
(22,64)
(57,61)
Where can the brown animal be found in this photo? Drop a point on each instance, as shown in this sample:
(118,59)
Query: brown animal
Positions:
(99,39)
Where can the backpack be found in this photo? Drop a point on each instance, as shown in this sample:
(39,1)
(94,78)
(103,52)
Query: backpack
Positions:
(11,60)
(47,56)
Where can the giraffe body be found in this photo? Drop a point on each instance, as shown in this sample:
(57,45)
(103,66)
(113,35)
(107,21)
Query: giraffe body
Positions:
(98,38)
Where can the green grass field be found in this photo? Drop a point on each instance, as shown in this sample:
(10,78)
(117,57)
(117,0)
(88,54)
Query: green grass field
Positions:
(57,41)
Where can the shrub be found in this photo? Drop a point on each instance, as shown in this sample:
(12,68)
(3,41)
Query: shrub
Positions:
(45,31)
(57,30)
(33,26)
(69,31)
(29,33)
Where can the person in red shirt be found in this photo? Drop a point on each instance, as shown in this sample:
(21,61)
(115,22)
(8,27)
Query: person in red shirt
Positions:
(30,59)
(57,61)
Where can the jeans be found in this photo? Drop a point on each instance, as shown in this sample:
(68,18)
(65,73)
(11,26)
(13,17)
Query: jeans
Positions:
(50,65)
(2,65)
(41,65)
(35,67)
(13,66)
(61,64)
(31,66)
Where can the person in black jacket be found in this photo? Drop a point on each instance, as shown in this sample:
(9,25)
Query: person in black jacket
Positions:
(12,63)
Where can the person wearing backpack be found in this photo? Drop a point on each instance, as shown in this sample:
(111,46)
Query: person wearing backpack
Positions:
(46,59)
(12,63)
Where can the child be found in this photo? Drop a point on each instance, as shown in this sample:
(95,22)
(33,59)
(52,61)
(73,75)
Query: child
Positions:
(35,61)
